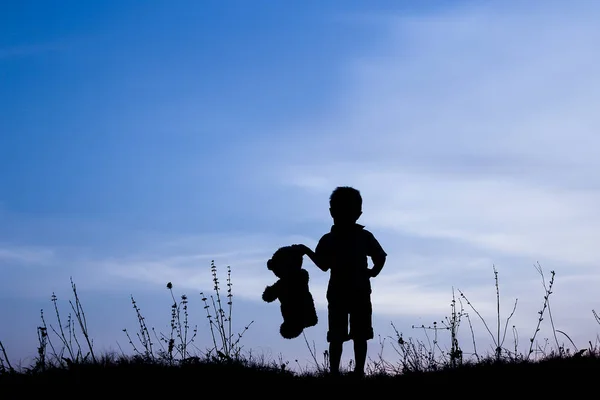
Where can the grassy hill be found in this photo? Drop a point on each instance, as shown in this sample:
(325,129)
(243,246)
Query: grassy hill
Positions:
(164,364)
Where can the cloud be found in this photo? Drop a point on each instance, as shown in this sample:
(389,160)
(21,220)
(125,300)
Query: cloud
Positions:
(186,262)
(474,125)
(501,215)
(28,50)
(472,135)
(25,254)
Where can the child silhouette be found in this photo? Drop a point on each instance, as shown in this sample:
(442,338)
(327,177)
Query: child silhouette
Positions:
(344,251)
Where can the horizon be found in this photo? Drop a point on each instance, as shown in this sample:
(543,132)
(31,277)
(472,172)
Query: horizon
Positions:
(138,142)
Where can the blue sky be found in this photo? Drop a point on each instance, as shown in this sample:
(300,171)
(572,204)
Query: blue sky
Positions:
(140,140)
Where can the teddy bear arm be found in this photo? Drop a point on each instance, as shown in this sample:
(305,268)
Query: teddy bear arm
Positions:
(270,294)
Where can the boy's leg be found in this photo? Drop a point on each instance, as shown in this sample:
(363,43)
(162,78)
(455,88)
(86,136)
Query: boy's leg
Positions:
(360,355)
(336,335)
(361,330)
(335,356)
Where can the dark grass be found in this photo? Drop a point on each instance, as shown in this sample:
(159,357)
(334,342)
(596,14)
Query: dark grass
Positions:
(168,363)
(551,376)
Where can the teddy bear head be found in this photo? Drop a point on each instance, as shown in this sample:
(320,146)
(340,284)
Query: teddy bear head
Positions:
(285,260)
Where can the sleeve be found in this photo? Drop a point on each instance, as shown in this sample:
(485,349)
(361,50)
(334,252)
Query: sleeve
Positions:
(374,249)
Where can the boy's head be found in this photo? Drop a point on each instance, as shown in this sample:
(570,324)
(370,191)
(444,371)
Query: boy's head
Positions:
(345,205)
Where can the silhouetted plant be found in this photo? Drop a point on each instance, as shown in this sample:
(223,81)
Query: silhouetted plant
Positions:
(74,349)
(175,345)
(57,357)
(380,366)
(500,336)
(545,305)
(70,342)
(5,365)
(143,335)
(182,331)
(81,319)
(40,361)
(415,355)
(467,316)
(452,357)
(320,368)
(179,329)
(226,346)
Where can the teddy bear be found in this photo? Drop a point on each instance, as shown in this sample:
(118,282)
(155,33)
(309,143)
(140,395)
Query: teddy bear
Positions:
(297,304)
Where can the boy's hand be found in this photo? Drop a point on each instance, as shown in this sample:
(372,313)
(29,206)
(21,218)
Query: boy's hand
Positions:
(301,248)
(371,273)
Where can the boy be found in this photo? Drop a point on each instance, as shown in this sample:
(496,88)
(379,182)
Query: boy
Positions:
(344,251)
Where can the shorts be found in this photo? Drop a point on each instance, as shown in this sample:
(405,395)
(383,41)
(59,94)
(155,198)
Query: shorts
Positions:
(359,314)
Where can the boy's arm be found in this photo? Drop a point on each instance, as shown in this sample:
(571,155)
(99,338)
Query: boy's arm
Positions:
(315,257)
(319,262)
(377,254)
(378,263)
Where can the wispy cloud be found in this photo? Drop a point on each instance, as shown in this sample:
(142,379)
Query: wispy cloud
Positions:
(28,50)
(25,254)
(471,126)
(474,129)
(472,135)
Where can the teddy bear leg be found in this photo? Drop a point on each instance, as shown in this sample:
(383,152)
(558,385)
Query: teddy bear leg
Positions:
(311,319)
(310,312)
(290,331)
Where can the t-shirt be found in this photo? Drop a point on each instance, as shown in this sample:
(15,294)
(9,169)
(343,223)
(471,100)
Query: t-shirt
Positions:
(344,251)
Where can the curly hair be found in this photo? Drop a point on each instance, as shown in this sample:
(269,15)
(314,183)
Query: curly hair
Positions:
(346,201)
